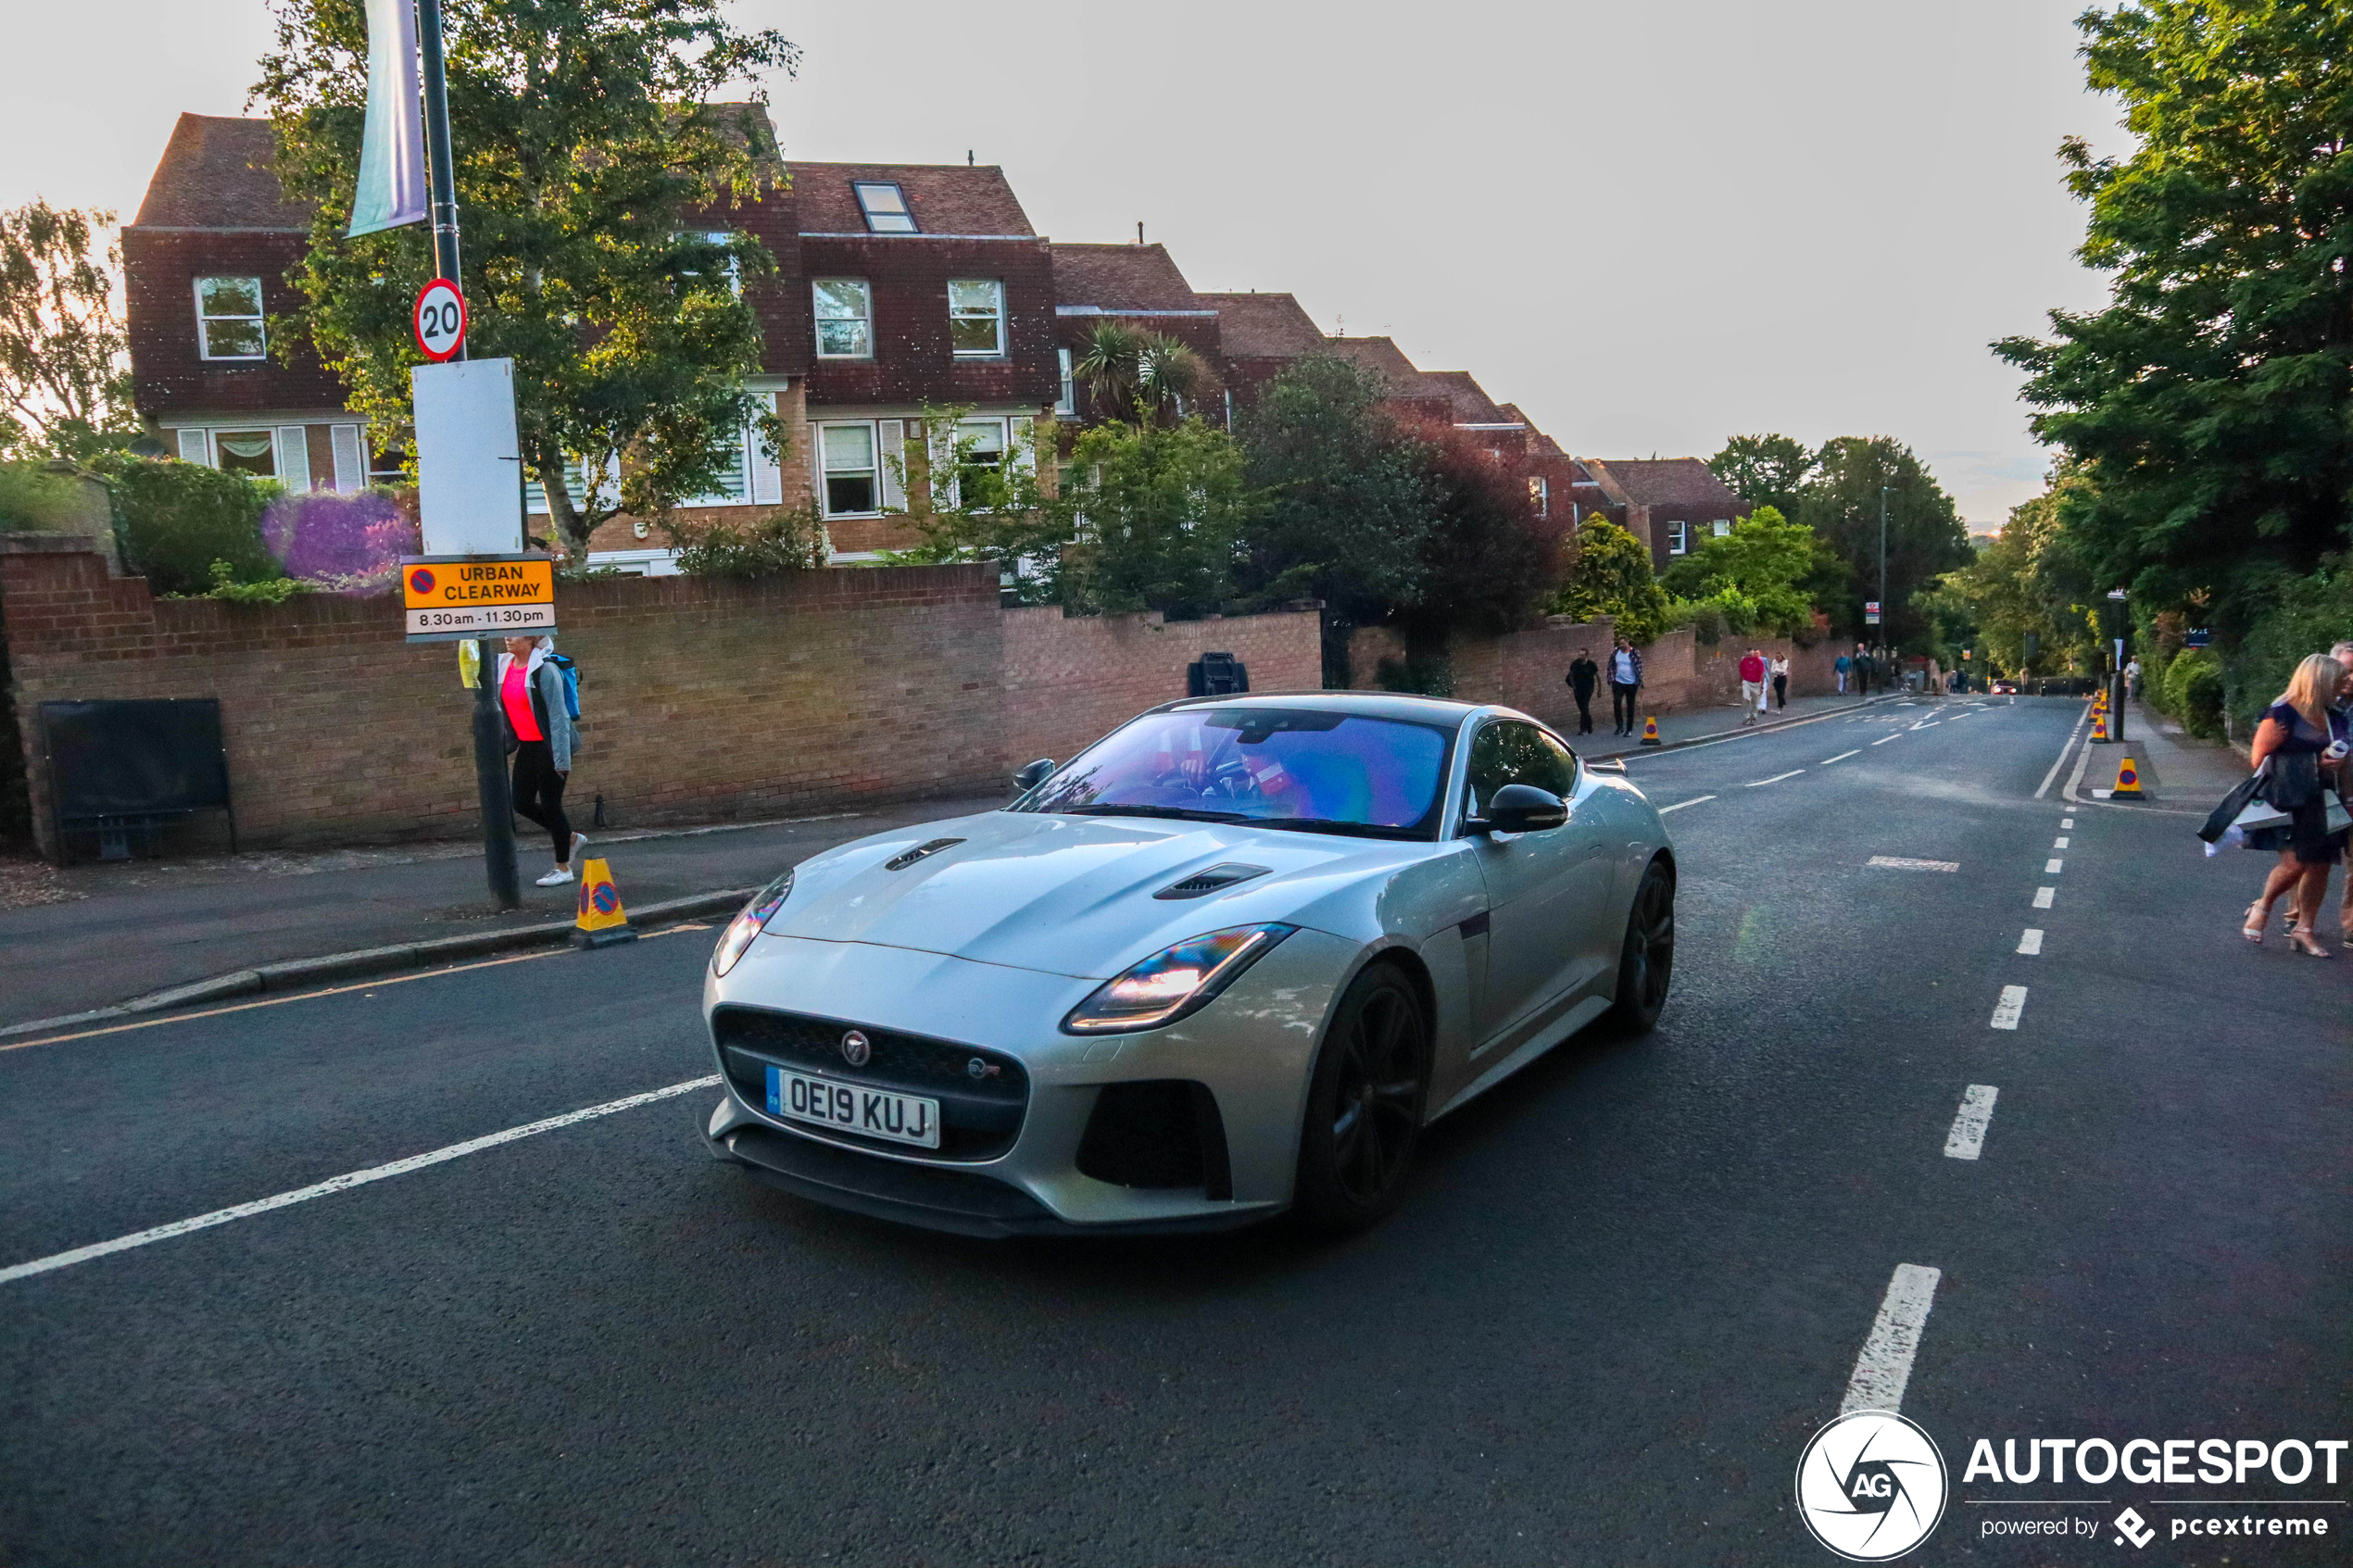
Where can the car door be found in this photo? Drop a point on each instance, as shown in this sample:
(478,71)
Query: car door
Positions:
(1543,889)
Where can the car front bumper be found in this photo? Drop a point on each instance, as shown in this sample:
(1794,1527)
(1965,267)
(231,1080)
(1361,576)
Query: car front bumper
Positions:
(1250,1050)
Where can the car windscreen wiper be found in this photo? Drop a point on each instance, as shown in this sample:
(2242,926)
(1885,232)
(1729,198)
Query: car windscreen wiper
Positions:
(1327,824)
(1181,814)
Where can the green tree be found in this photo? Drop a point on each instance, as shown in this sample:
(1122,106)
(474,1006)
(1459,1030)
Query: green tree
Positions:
(1765,470)
(1612,576)
(2211,399)
(1767,560)
(982,507)
(1154,519)
(64,369)
(2029,584)
(592,167)
(1487,566)
(1925,536)
(1348,505)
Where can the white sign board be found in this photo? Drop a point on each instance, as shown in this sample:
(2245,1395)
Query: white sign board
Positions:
(468,468)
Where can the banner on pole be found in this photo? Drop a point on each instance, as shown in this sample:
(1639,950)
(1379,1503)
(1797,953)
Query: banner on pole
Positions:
(392,150)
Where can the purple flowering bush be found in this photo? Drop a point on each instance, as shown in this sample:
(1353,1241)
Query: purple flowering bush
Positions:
(341,543)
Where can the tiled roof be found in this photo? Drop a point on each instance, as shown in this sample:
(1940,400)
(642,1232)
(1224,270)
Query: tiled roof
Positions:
(1263,326)
(216,173)
(1672,482)
(1121,278)
(1382,357)
(947,198)
(1472,405)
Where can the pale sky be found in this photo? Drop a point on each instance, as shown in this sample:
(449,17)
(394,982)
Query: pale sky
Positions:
(1650,226)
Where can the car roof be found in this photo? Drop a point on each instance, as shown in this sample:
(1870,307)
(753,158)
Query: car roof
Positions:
(1372,705)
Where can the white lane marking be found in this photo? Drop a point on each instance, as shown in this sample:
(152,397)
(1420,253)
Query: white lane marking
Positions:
(1929,724)
(1967,1137)
(1841,756)
(1884,739)
(2075,779)
(346,1182)
(1681,804)
(2066,821)
(2031,943)
(2043,897)
(1885,1365)
(2065,747)
(1898,863)
(2006,1011)
(1776,778)
(2051,867)
(2059,843)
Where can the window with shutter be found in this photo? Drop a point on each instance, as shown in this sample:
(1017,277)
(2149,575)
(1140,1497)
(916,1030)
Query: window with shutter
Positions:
(767,473)
(846,455)
(893,467)
(293,458)
(195,447)
(351,467)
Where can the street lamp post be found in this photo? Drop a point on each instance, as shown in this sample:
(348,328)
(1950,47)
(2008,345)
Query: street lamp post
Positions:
(490,741)
(1882,563)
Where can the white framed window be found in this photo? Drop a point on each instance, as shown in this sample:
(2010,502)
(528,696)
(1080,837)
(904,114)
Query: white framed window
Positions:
(733,268)
(852,480)
(732,487)
(885,206)
(246,451)
(1679,538)
(1067,401)
(229,322)
(976,318)
(845,318)
(1722,525)
(1540,495)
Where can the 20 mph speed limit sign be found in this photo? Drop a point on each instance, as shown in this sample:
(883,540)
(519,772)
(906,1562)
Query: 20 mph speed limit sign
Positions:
(441,319)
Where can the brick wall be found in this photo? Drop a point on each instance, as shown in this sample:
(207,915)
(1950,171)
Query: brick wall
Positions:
(1070,681)
(1529,670)
(705,700)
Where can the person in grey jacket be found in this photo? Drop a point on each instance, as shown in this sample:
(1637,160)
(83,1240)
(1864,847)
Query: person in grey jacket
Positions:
(539,731)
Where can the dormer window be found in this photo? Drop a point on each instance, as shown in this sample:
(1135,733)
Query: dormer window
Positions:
(845,319)
(885,206)
(976,318)
(229,319)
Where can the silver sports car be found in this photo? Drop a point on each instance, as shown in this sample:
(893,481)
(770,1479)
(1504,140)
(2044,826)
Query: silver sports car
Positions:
(1227,961)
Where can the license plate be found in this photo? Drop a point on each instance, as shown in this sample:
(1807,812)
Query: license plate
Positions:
(852,1108)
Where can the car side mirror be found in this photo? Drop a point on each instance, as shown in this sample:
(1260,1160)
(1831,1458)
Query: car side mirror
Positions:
(1521,808)
(1031,775)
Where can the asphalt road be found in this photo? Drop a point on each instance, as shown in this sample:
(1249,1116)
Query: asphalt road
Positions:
(1627,1288)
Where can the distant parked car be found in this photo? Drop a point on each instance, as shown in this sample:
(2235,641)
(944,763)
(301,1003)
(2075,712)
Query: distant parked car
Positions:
(2004,688)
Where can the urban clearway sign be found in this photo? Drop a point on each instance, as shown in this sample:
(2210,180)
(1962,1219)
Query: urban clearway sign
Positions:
(451,597)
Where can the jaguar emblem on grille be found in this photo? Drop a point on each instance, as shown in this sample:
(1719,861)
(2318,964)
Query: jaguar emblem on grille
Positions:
(856,1050)
(979,1069)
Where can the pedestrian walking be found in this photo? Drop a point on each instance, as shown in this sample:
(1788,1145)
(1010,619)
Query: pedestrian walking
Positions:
(540,734)
(1862,670)
(1753,671)
(1625,684)
(2133,678)
(1780,682)
(1845,667)
(1583,676)
(2299,746)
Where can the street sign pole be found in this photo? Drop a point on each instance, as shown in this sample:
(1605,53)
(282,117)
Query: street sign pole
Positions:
(490,740)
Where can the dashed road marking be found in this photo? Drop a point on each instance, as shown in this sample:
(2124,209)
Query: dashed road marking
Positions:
(1967,1137)
(1885,1365)
(1899,863)
(1841,756)
(1754,784)
(2043,897)
(1681,804)
(2066,821)
(2051,867)
(2059,843)
(2031,943)
(1884,739)
(346,1182)
(2006,1011)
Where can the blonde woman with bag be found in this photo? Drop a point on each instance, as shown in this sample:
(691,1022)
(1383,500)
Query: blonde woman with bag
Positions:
(2300,747)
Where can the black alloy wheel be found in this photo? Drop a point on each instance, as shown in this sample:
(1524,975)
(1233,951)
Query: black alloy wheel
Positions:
(1646,963)
(1364,1105)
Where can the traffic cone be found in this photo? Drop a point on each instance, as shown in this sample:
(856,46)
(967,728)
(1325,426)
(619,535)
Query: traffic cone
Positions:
(2128,781)
(1650,732)
(2099,725)
(601,921)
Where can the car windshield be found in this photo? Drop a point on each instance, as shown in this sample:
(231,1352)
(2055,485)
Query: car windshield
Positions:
(1315,770)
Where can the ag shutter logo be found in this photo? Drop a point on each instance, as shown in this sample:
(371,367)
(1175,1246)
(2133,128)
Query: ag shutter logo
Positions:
(1871,1486)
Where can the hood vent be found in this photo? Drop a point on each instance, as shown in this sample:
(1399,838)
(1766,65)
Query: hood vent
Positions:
(929,847)
(1203,882)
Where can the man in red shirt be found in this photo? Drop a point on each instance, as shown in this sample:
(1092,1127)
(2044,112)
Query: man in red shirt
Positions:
(1751,684)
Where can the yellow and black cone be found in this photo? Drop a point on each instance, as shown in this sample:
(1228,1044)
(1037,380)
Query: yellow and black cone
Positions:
(2099,725)
(2128,780)
(602,922)
(1650,732)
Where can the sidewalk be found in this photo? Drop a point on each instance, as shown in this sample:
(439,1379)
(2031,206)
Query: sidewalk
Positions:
(2176,769)
(130,928)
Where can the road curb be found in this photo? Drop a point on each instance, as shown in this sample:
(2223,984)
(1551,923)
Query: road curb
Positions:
(1739,730)
(294,973)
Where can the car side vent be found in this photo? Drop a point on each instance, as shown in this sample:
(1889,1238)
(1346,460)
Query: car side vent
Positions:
(930,846)
(1209,879)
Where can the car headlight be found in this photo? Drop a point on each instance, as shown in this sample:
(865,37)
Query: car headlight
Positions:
(1174,982)
(747,925)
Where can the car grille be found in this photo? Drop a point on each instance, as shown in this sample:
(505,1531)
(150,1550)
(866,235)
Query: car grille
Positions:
(1157,1133)
(979,1115)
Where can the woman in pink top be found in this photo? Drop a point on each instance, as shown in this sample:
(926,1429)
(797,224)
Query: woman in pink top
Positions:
(531,694)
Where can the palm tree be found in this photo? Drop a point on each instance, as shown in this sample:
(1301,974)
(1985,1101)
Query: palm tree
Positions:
(1137,374)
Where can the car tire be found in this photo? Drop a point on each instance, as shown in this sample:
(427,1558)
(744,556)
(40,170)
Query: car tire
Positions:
(1365,1104)
(1646,959)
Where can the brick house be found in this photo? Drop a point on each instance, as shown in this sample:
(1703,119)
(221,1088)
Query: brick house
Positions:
(1670,504)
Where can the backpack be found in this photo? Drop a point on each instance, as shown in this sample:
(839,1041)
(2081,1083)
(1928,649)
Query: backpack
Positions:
(571,673)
